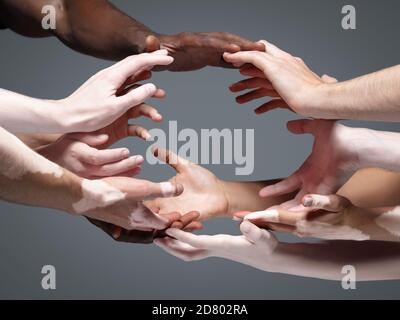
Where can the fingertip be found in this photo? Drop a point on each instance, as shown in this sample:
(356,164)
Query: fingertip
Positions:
(308,201)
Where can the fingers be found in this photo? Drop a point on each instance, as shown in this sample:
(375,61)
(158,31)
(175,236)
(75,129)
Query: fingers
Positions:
(302,126)
(328,79)
(258,236)
(135,64)
(277,216)
(138,96)
(271,105)
(260,60)
(331,203)
(151,190)
(146,111)
(97,157)
(189,238)
(159,93)
(114,169)
(285,186)
(256,94)
(172,159)
(251,71)
(251,83)
(138,131)
(91,139)
(272,49)
(180,250)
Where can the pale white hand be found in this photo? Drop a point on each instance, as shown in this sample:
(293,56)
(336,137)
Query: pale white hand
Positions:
(255,247)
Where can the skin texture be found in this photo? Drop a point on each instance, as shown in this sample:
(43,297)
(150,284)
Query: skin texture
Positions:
(28,178)
(372,260)
(88,108)
(332,161)
(260,249)
(292,85)
(330,218)
(203,190)
(87,154)
(98,28)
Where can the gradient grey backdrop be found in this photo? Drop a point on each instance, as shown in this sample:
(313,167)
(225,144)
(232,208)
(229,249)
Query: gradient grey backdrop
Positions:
(88,263)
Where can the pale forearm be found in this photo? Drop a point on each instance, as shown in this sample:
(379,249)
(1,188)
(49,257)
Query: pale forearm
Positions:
(371,260)
(377,149)
(22,114)
(28,178)
(373,97)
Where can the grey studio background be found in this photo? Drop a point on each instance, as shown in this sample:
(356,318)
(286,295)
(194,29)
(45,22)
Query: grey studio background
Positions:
(88,263)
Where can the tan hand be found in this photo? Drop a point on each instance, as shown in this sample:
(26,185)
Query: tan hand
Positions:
(203,191)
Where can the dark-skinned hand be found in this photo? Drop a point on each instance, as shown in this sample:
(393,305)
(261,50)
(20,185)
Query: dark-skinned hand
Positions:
(193,51)
(187,222)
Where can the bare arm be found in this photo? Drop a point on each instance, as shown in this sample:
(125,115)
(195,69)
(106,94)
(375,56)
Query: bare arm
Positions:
(30,179)
(97,28)
(294,86)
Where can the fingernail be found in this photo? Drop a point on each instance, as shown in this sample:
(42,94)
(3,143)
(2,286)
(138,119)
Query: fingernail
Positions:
(237,219)
(125,152)
(138,159)
(308,202)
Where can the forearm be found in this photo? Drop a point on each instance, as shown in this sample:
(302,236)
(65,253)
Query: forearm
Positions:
(243,196)
(373,97)
(376,149)
(93,27)
(22,114)
(97,28)
(28,178)
(372,188)
(371,260)
(35,141)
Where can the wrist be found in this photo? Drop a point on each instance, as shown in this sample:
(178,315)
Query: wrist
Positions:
(230,207)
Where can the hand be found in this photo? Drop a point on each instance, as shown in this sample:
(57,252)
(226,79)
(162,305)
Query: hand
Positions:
(86,154)
(256,247)
(193,51)
(119,201)
(332,161)
(110,93)
(279,75)
(325,217)
(203,191)
(187,222)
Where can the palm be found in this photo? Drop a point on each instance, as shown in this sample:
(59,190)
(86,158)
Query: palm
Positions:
(202,192)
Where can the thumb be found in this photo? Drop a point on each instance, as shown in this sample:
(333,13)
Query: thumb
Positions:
(328,79)
(258,236)
(172,159)
(161,190)
(152,44)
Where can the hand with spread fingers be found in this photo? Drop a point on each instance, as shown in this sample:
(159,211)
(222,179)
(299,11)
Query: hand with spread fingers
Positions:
(203,191)
(196,50)
(87,154)
(330,217)
(332,162)
(278,75)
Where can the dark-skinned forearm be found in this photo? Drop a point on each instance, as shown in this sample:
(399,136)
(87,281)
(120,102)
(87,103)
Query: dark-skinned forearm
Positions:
(93,27)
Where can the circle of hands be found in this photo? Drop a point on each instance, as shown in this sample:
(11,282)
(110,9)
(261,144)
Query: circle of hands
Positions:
(195,194)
